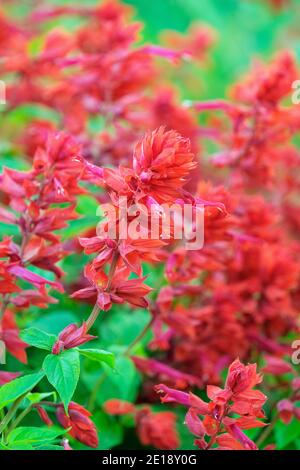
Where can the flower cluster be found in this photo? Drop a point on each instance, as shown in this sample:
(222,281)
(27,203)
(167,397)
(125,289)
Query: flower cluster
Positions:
(92,119)
(237,398)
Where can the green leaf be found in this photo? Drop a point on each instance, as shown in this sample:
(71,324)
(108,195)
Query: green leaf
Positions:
(33,436)
(14,389)
(49,447)
(286,434)
(62,371)
(38,338)
(99,355)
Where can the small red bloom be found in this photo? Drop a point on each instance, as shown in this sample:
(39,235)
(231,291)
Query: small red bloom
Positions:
(118,407)
(43,415)
(157,429)
(82,427)
(286,410)
(70,337)
(9,333)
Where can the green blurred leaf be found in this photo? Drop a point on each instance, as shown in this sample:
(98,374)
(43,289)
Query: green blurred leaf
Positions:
(286,434)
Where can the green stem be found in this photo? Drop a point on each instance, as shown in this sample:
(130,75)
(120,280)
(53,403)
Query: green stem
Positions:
(10,414)
(93,317)
(19,418)
(93,396)
(139,337)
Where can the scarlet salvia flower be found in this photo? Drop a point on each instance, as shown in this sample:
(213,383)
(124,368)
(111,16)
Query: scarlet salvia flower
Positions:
(157,429)
(70,337)
(238,397)
(118,407)
(286,410)
(9,334)
(162,161)
(82,427)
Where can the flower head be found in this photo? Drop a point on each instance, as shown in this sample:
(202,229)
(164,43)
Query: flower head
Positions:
(82,427)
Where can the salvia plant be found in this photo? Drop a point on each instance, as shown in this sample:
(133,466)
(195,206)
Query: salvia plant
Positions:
(112,339)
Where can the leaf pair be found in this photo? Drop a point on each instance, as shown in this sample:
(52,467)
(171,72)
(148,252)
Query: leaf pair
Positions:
(63,370)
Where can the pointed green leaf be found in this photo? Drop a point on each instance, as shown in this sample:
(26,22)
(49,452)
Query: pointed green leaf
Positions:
(33,436)
(62,371)
(99,355)
(14,389)
(38,338)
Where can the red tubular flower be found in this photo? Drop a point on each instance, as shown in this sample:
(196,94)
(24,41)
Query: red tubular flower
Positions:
(157,429)
(242,378)
(286,410)
(156,368)
(82,427)
(9,333)
(43,415)
(119,290)
(118,407)
(70,337)
(276,366)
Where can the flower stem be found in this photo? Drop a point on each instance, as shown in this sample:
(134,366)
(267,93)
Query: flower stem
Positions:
(139,337)
(93,317)
(267,431)
(93,396)
(10,414)
(19,418)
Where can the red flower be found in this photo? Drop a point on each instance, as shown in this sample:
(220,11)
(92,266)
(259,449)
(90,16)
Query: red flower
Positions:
(286,410)
(70,337)
(118,407)
(157,429)
(162,160)
(82,427)
(9,333)
(118,291)
(236,398)
(43,415)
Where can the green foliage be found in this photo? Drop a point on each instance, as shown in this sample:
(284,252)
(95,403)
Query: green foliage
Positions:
(98,355)
(62,370)
(38,338)
(30,438)
(18,387)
